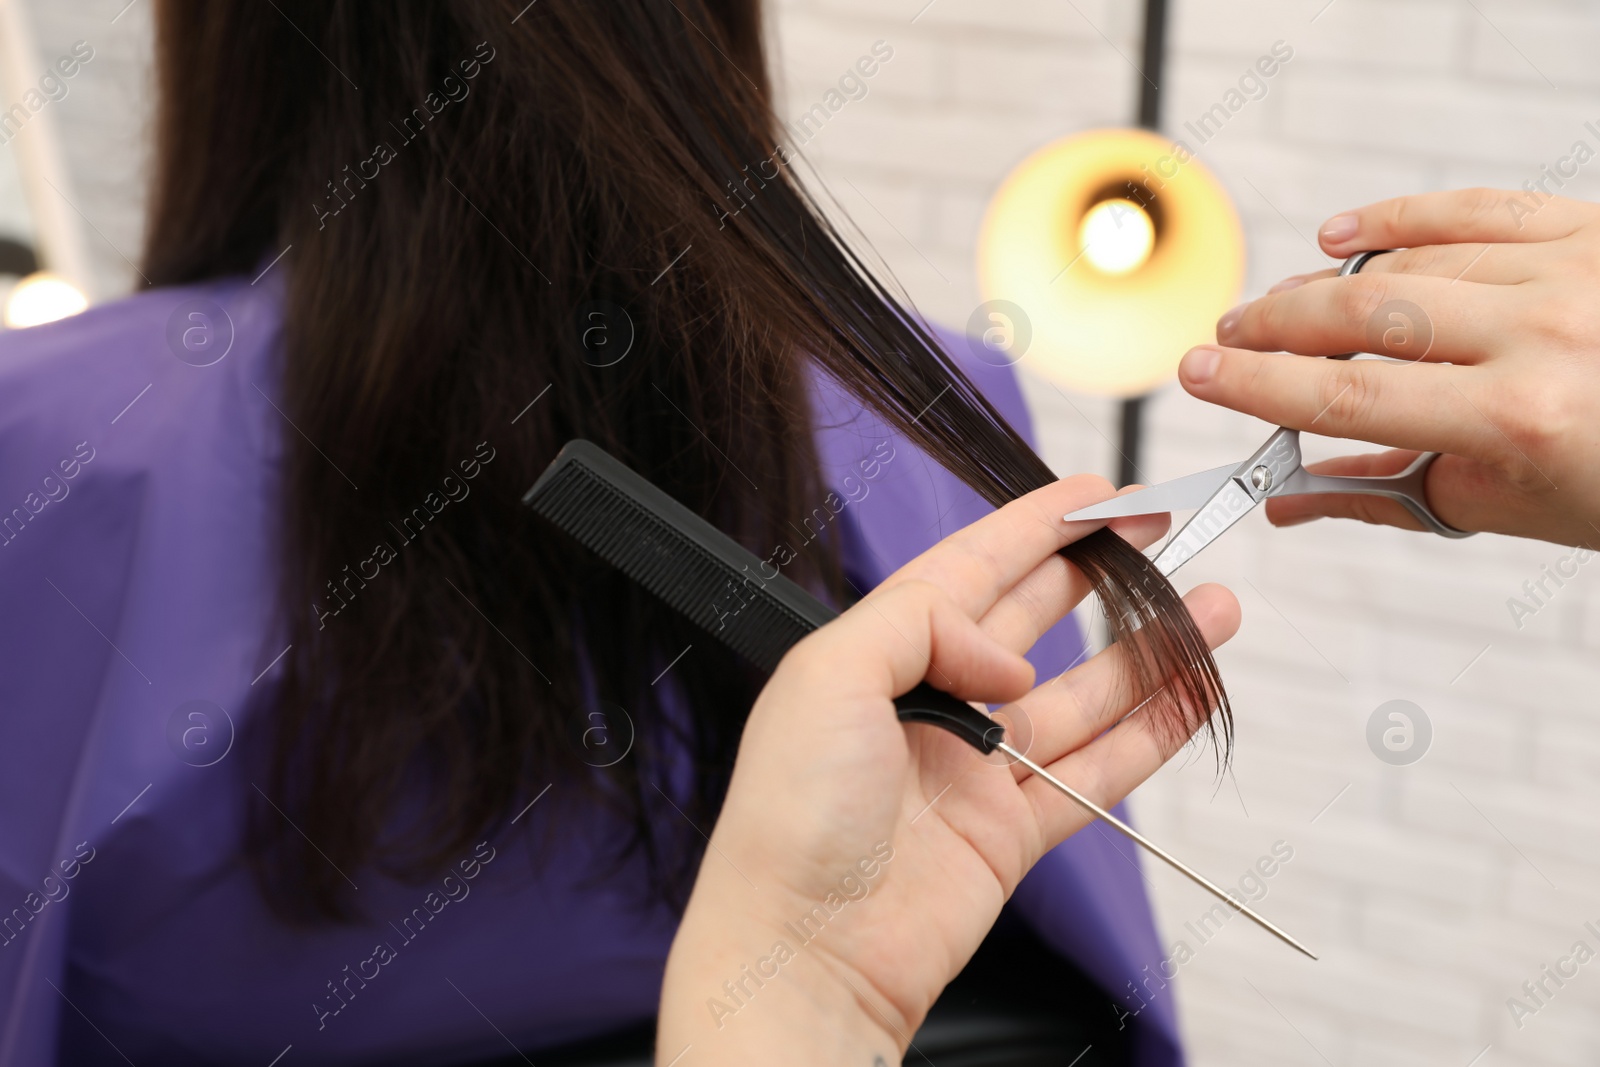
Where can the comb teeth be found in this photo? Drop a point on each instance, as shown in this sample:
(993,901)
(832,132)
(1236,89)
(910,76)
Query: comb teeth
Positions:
(685,561)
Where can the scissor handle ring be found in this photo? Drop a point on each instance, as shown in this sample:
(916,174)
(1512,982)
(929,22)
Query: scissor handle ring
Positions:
(1415,501)
(1354,264)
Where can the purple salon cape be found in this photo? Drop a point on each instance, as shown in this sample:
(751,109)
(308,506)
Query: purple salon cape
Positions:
(139,448)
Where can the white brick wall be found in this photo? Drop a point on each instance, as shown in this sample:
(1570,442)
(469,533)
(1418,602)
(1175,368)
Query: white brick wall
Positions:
(102,128)
(1432,891)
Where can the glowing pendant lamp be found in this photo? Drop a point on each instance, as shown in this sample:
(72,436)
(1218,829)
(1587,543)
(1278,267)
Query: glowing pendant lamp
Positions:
(1122,250)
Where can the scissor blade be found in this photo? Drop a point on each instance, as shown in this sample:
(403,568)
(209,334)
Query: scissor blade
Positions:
(1180,494)
(1230,504)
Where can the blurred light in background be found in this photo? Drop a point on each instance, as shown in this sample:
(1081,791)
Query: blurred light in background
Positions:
(42,297)
(1122,249)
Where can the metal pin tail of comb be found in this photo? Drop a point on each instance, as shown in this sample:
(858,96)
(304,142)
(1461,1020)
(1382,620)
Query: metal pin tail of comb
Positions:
(720,586)
(1154,849)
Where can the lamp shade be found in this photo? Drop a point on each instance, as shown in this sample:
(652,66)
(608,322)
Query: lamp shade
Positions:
(1121,249)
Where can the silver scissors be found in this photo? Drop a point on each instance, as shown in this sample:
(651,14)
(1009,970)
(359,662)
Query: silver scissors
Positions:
(1226,494)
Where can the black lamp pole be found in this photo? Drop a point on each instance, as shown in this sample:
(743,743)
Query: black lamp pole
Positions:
(1154,64)
(1155,59)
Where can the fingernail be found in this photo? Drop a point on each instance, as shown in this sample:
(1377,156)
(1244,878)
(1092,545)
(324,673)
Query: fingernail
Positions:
(1341,228)
(1200,364)
(1288,283)
(1226,324)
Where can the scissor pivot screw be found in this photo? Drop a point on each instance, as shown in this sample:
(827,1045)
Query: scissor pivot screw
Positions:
(1261,478)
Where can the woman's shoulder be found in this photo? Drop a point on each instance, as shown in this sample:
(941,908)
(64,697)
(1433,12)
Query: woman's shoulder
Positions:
(163,335)
(137,457)
(846,428)
(839,412)
(142,374)
(897,501)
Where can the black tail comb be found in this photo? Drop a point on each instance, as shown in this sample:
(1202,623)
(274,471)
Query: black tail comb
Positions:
(705,575)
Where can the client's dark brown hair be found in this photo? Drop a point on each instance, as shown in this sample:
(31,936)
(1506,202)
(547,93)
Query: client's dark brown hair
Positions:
(454,183)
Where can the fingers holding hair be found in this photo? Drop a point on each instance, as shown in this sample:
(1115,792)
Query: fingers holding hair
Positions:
(1003,569)
(1083,731)
(1052,589)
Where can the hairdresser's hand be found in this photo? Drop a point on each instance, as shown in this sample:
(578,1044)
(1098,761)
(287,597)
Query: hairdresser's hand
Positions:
(1504,287)
(899,844)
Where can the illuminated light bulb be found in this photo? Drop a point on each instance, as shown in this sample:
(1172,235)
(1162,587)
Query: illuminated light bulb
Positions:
(1110,315)
(1116,236)
(42,297)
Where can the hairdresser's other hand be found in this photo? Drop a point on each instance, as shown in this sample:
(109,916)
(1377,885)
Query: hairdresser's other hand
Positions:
(899,844)
(1505,286)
